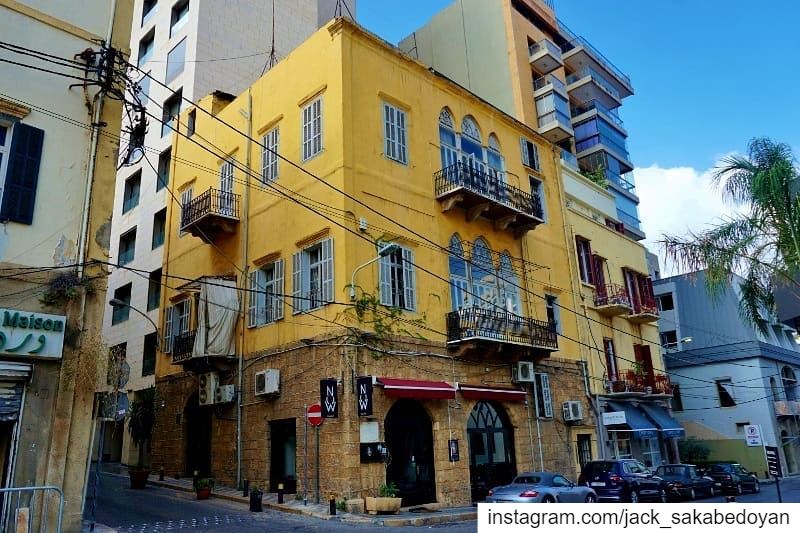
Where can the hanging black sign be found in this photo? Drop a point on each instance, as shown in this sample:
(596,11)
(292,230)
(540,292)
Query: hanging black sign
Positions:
(329,398)
(452,446)
(364,396)
(773,461)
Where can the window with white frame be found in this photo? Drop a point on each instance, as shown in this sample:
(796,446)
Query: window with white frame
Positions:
(312,277)
(5,147)
(394,127)
(312,129)
(510,282)
(176,322)
(544,401)
(265,301)
(530,153)
(397,279)
(269,156)
(553,312)
(459,275)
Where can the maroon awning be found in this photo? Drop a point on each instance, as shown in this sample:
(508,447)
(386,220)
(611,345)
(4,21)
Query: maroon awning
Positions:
(485,392)
(413,388)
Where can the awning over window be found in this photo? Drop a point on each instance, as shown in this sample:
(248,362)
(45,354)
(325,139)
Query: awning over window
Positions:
(484,392)
(412,388)
(635,421)
(669,426)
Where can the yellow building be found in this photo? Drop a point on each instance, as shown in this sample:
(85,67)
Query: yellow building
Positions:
(405,254)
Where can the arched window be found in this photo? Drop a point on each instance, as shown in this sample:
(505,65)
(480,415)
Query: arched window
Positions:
(484,279)
(789,383)
(471,146)
(459,275)
(494,158)
(510,284)
(447,138)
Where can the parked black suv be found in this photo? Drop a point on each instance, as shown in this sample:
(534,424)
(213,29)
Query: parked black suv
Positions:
(733,478)
(623,480)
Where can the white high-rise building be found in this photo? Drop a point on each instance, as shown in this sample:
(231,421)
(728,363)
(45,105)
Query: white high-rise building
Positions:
(195,47)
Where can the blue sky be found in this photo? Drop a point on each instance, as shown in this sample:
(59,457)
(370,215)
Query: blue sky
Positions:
(708,74)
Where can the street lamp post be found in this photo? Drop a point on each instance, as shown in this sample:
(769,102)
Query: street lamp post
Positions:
(117,303)
(383,252)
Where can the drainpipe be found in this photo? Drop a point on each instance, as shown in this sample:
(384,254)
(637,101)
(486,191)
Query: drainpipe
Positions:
(538,427)
(245,271)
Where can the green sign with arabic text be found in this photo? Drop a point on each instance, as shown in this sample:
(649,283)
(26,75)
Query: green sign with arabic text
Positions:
(31,335)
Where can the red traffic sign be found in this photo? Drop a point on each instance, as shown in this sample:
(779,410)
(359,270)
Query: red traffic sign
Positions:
(314,414)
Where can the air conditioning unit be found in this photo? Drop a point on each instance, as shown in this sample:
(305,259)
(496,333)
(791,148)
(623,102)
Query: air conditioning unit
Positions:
(208,387)
(225,394)
(522,372)
(573,411)
(268,382)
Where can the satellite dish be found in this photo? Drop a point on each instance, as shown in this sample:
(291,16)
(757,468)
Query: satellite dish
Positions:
(133,156)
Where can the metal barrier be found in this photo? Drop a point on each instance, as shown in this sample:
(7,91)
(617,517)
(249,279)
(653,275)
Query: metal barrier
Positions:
(31,508)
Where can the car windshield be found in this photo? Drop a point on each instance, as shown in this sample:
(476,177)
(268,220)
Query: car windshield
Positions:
(670,470)
(721,468)
(600,467)
(526,480)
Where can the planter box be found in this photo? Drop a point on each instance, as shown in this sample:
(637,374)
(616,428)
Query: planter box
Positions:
(204,493)
(355,506)
(382,505)
(138,478)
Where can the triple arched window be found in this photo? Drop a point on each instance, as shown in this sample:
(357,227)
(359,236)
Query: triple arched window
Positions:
(476,281)
(467,146)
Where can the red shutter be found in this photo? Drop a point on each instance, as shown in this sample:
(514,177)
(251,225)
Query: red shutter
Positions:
(599,276)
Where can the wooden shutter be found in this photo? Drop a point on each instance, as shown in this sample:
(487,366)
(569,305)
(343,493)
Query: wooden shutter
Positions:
(297,284)
(526,160)
(385,282)
(599,276)
(168,317)
(22,176)
(409,279)
(547,399)
(327,271)
(277,299)
(252,299)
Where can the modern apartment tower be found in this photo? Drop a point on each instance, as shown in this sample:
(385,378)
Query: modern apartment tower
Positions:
(195,47)
(517,55)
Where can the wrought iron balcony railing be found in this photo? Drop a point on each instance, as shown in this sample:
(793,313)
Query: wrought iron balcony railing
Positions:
(611,294)
(213,202)
(183,346)
(475,323)
(488,186)
(631,382)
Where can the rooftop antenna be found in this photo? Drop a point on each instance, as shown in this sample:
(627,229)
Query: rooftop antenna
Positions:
(273,56)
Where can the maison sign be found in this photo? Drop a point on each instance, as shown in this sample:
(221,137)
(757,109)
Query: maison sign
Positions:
(31,335)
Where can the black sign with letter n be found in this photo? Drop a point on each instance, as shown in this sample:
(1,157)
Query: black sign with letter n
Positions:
(329,398)
(364,386)
(773,461)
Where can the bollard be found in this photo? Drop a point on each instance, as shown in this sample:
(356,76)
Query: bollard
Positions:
(256,505)
(195,477)
(245,487)
(332,502)
(161,474)
(280,492)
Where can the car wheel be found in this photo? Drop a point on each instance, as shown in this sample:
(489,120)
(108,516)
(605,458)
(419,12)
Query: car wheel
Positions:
(712,491)
(756,487)
(548,499)
(692,495)
(739,490)
(662,496)
(634,496)
(590,498)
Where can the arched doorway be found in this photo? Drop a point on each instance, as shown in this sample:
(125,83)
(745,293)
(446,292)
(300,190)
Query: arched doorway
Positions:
(198,437)
(491,449)
(409,439)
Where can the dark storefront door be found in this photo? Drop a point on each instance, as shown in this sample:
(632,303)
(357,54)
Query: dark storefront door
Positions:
(283,453)
(198,438)
(409,438)
(491,449)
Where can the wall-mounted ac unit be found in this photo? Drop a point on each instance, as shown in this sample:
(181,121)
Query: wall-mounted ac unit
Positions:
(522,372)
(208,387)
(573,411)
(268,382)
(225,394)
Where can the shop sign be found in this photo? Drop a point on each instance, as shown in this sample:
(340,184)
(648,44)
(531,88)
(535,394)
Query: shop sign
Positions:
(614,418)
(329,398)
(364,385)
(31,335)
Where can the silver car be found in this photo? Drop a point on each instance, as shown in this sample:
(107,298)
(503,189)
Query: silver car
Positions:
(541,487)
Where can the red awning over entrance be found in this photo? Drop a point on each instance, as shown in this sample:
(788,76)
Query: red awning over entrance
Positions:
(484,392)
(412,388)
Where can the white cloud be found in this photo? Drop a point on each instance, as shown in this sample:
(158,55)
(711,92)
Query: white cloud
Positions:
(675,201)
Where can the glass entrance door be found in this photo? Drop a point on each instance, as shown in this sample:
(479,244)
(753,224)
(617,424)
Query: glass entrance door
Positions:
(491,449)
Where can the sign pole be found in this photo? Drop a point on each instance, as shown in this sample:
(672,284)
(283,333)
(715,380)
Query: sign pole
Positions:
(305,455)
(778,486)
(318,499)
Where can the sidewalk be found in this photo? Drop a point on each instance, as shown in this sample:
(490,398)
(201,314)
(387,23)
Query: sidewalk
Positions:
(420,516)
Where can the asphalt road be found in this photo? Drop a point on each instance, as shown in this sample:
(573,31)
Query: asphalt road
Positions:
(790,490)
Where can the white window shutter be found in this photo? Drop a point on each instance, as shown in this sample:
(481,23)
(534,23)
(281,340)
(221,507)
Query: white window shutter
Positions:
(388,130)
(168,329)
(524,150)
(297,284)
(546,396)
(385,279)
(401,137)
(261,297)
(327,271)
(409,279)
(277,299)
(252,299)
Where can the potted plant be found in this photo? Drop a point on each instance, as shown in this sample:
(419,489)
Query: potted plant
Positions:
(141,419)
(386,502)
(203,487)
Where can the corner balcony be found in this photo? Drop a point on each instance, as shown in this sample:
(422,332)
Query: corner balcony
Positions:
(633,385)
(644,310)
(588,84)
(182,347)
(555,126)
(482,194)
(210,214)
(547,83)
(787,408)
(183,354)
(489,329)
(593,108)
(612,300)
(613,146)
(545,56)
(578,53)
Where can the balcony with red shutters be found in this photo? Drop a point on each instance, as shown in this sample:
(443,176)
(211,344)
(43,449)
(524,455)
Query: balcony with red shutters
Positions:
(644,310)
(633,384)
(612,300)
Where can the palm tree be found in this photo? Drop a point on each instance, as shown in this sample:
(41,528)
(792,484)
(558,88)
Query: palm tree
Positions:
(762,243)
(141,419)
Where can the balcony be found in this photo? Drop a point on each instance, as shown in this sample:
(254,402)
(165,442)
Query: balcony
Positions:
(604,140)
(480,193)
(630,385)
(593,108)
(545,56)
(183,347)
(476,327)
(644,310)
(578,53)
(555,126)
(549,83)
(210,214)
(569,159)
(588,84)
(787,408)
(612,300)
